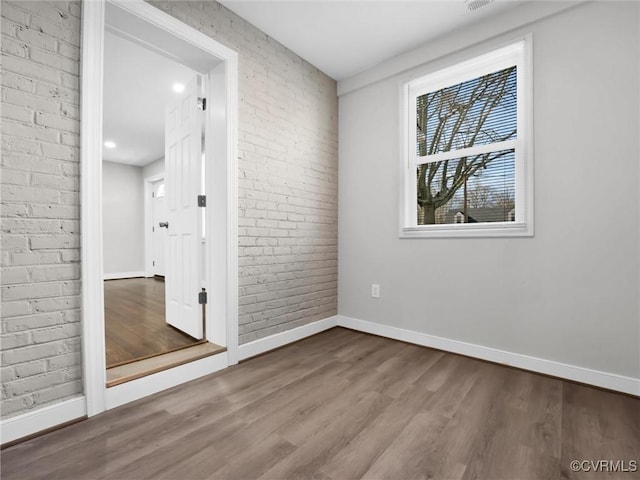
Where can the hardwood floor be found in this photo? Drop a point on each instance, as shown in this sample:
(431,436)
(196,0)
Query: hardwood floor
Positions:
(346,405)
(135,324)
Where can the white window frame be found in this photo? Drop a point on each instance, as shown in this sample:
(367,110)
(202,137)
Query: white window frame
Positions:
(517,53)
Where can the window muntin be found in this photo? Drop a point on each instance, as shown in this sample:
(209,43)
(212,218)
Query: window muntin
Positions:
(466,153)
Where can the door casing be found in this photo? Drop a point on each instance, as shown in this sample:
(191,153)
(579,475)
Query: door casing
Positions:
(149,222)
(158,244)
(221,264)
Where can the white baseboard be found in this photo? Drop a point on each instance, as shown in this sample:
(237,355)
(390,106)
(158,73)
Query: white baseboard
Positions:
(20,426)
(262,345)
(119,275)
(597,378)
(145,386)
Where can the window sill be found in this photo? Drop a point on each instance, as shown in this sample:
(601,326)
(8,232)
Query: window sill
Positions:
(468,230)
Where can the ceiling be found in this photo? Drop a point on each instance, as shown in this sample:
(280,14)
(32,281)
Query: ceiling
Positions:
(137,85)
(343,38)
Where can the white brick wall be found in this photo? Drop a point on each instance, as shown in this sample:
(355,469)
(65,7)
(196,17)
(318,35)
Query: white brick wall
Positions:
(288,167)
(40,321)
(288,176)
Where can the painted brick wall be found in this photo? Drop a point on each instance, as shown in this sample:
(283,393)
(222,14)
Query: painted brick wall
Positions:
(287,187)
(288,176)
(40,317)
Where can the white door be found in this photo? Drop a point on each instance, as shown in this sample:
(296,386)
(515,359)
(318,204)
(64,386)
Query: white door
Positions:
(159,233)
(183,146)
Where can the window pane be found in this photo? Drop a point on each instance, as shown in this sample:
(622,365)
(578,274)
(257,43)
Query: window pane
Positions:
(475,112)
(476,189)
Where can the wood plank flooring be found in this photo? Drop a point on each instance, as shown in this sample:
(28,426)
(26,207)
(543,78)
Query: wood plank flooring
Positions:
(346,405)
(135,325)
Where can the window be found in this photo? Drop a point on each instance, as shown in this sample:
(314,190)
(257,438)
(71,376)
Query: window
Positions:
(467,167)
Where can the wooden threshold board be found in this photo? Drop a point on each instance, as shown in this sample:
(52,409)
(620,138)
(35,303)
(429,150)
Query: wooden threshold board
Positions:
(158,363)
(199,342)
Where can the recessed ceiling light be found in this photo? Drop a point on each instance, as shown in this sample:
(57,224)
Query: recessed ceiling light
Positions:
(178,87)
(110,144)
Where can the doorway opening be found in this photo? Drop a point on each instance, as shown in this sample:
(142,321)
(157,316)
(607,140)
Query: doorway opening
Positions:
(159,267)
(153,193)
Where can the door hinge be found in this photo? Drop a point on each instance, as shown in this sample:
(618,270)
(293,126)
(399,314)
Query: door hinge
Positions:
(154,263)
(202,297)
(153,194)
(153,229)
(202,103)
(202,200)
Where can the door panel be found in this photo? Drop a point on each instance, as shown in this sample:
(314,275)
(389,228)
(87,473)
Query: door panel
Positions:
(182,172)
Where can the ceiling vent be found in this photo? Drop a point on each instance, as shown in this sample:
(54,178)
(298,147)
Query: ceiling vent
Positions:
(474,5)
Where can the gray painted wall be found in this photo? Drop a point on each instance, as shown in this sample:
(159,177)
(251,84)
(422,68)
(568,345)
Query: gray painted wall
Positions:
(153,168)
(122,218)
(570,294)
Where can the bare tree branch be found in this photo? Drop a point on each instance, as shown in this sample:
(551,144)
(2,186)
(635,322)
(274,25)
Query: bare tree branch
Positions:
(456,117)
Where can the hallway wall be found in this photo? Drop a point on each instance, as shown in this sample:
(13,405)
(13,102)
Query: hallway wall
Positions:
(122,219)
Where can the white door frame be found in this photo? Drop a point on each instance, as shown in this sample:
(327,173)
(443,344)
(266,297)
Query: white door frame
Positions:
(149,247)
(221,262)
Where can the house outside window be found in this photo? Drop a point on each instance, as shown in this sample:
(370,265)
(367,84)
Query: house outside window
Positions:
(467,165)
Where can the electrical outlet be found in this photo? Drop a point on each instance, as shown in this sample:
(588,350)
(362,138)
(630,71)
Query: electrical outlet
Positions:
(375,290)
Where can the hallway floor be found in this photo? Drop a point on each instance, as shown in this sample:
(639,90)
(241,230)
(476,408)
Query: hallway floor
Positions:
(135,326)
